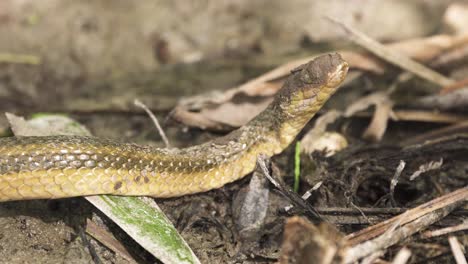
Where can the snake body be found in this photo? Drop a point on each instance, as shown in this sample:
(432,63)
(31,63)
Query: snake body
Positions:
(67,166)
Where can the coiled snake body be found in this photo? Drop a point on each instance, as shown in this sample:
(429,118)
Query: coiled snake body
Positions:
(67,166)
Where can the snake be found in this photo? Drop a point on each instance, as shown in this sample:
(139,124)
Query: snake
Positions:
(52,167)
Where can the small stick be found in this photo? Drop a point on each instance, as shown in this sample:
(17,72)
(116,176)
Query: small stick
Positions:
(361,212)
(394,181)
(422,116)
(108,240)
(307,194)
(402,257)
(87,244)
(455,86)
(287,192)
(456,128)
(432,165)
(155,121)
(457,250)
(392,57)
(395,234)
(396,229)
(373,211)
(444,231)
(455,197)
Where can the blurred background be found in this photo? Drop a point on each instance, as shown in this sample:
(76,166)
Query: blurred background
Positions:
(56,55)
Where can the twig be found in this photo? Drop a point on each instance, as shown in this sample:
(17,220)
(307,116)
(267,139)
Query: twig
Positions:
(393,57)
(382,236)
(402,257)
(453,100)
(361,212)
(456,250)
(422,116)
(455,197)
(366,210)
(451,58)
(87,244)
(307,194)
(454,87)
(155,121)
(432,165)
(393,236)
(108,240)
(287,192)
(394,181)
(456,128)
(444,231)
(352,216)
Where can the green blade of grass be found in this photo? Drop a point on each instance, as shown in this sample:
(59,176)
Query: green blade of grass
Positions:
(140,218)
(297,166)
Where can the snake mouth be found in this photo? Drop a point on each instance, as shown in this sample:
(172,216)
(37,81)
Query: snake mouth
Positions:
(336,77)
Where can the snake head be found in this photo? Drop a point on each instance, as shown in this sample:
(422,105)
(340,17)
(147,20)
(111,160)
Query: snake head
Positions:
(323,74)
(305,91)
(311,84)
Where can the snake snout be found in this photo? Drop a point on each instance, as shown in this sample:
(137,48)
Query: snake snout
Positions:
(338,75)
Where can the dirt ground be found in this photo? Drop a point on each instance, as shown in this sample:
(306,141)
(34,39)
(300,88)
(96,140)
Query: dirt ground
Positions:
(91,59)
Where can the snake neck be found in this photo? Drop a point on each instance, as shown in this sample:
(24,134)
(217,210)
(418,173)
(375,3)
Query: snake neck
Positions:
(274,129)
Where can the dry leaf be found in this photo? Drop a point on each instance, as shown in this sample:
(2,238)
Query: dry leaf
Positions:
(221,111)
(329,142)
(239,113)
(317,139)
(305,243)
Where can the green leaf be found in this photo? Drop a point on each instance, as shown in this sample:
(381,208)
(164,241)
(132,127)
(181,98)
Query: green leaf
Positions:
(142,219)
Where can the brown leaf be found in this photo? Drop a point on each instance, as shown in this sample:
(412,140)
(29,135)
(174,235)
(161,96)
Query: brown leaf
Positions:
(318,139)
(305,243)
(221,111)
(238,113)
